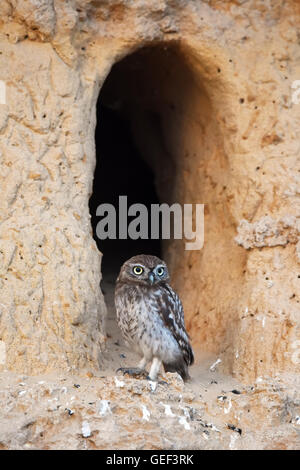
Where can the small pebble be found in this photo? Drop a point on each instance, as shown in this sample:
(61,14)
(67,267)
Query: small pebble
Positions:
(222,397)
(234,428)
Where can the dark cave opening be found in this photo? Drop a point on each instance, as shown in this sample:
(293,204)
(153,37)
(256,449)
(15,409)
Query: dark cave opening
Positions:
(120,171)
(137,139)
(158,141)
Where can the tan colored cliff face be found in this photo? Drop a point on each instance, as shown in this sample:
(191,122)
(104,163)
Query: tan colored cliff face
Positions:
(226,134)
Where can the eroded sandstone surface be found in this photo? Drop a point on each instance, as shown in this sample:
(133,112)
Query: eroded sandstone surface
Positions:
(220,77)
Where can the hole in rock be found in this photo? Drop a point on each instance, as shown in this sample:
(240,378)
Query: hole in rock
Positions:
(120,171)
(158,140)
(133,158)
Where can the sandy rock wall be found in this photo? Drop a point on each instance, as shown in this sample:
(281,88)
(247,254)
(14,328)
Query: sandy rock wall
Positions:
(51,306)
(237,151)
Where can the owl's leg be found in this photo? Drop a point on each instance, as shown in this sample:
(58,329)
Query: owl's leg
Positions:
(142,364)
(155,366)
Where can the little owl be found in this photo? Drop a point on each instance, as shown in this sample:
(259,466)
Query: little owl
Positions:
(150,316)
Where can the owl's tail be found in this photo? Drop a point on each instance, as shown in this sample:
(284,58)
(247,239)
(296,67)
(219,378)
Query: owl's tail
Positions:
(180,367)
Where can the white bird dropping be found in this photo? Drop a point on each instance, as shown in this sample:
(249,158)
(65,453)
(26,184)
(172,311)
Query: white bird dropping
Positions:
(85,429)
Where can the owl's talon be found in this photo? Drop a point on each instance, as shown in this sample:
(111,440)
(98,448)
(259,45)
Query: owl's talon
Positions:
(133,371)
(159,382)
(162,382)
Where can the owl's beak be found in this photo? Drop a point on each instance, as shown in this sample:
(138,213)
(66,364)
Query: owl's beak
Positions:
(151,277)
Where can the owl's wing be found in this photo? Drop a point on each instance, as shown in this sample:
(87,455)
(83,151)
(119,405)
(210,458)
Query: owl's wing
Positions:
(170,310)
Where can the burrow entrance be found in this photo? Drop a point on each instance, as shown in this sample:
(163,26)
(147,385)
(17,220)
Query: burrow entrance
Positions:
(158,140)
(135,134)
(120,171)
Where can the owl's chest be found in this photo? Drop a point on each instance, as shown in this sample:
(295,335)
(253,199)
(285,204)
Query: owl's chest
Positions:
(132,313)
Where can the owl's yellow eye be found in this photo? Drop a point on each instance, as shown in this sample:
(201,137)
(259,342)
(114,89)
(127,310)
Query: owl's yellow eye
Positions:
(138,270)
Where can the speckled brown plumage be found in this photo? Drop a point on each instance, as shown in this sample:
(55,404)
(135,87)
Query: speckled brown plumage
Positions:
(150,316)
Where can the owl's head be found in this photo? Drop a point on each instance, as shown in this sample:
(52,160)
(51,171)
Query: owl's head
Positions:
(144,269)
